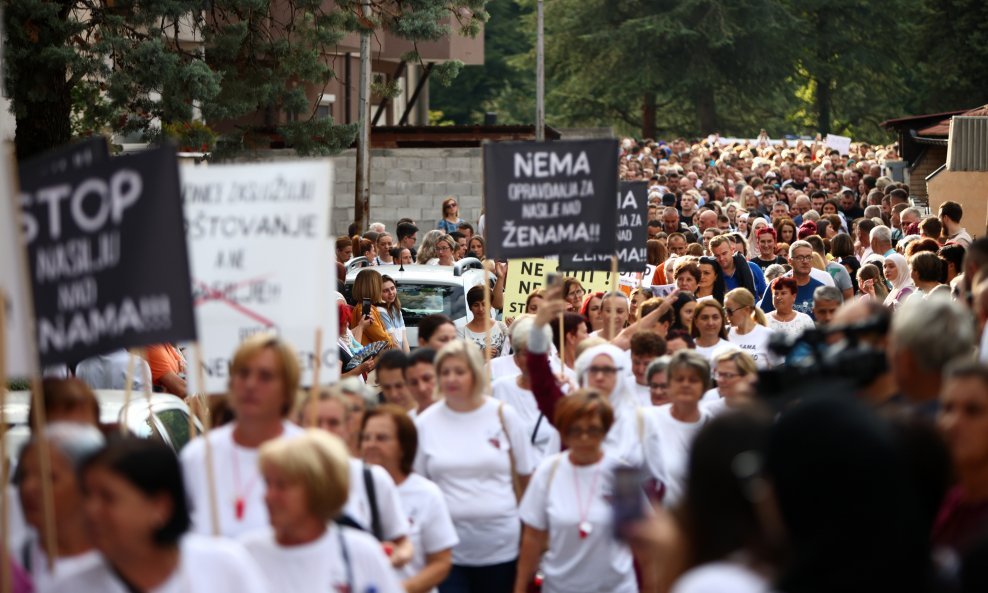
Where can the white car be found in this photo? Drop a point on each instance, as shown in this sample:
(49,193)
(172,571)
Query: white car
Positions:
(427,290)
(168,420)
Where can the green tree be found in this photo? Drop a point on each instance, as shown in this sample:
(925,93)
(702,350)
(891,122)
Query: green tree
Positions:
(850,71)
(96,66)
(687,66)
(952,50)
(475,89)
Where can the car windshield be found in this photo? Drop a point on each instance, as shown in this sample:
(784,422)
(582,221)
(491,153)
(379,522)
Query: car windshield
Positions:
(419,300)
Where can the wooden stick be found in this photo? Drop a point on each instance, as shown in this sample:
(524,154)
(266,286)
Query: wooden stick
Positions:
(562,341)
(488,325)
(207,421)
(612,331)
(314,388)
(147,388)
(6,581)
(37,398)
(44,465)
(128,388)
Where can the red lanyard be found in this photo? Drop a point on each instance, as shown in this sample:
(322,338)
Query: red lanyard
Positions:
(585,527)
(240,499)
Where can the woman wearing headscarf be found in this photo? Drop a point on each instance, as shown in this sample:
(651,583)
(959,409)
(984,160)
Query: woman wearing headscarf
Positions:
(606,369)
(898,274)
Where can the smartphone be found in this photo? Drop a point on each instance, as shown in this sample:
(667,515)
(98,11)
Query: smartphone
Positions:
(553,279)
(627,502)
(365,307)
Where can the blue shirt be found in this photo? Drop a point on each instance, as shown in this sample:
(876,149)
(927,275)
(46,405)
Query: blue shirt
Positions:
(804,298)
(447,226)
(731,282)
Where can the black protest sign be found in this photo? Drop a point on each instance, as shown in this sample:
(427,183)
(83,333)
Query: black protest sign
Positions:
(632,234)
(107,256)
(72,157)
(550,198)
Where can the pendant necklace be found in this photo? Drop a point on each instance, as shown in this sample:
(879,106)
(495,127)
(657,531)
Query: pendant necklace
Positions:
(240,498)
(585,526)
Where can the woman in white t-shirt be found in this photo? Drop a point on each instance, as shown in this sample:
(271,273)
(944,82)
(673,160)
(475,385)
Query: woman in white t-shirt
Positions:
(474,447)
(688,375)
(389,439)
(137,516)
(304,551)
(735,373)
(748,326)
(69,443)
(567,511)
(516,391)
(709,328)
(784,318)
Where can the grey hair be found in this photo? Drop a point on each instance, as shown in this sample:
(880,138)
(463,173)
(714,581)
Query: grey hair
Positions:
(798,245)
(659,365)
(520,331)
(881,233)
(911,210)
(774,271)
(828,293)
(76,441)
(377,227)
(355,386)
(937,332)
(690,360)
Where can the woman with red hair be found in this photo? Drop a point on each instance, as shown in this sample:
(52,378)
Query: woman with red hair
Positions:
(592,311)
(348,344)
(784,318)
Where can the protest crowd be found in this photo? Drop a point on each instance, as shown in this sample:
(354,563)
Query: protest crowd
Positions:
(791,395)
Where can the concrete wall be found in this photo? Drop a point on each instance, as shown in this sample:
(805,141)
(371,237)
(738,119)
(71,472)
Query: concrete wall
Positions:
(967,188)
(411,182)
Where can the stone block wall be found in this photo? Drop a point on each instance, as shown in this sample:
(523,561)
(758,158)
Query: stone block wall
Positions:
(410,182)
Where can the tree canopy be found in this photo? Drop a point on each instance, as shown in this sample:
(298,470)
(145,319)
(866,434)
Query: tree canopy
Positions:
(78,67)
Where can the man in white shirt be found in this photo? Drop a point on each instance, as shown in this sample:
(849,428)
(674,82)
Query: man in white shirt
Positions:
(950,215)
(109,371)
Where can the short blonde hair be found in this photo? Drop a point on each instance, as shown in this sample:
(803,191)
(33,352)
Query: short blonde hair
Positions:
(470,353)
(319,461)
(291,373)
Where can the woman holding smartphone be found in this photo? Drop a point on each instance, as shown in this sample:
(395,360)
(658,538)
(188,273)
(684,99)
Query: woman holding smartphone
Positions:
(567,513)
(367,288)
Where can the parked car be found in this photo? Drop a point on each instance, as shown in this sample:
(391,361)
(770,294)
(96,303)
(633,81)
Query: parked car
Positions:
(427,290)
(168,420)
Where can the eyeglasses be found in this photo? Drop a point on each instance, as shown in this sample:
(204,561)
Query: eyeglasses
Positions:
(802,258)
(735,309)
(602,370)
(657,386)
(442,247)
(576,432)
(726,376)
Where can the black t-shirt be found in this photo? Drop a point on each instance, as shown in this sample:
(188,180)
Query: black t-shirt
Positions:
(764,263)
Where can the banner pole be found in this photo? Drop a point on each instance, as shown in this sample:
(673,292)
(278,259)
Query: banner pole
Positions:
(614,288)
(488,325)
(562,344)
(314,388)
(207,421)
(5,568)
(128,388)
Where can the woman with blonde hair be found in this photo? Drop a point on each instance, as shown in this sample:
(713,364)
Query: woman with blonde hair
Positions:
(476,450)
(872,283)
(427,250)
(367,286)
(735,373)
(308,479)
(749,330)
(445,252)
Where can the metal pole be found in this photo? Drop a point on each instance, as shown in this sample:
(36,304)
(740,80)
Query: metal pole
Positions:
(362,193)
(540,74)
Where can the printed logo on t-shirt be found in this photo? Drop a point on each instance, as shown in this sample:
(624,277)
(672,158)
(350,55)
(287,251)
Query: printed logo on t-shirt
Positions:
(495,439)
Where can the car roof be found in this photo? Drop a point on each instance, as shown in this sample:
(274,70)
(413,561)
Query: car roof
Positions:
(420,273)
(111,401)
